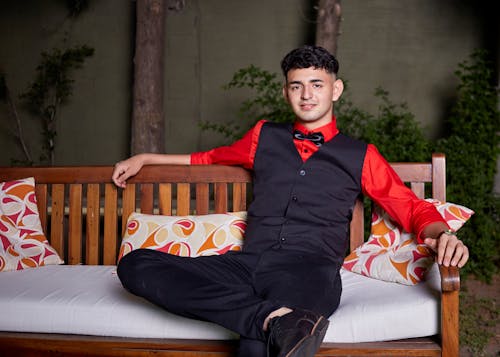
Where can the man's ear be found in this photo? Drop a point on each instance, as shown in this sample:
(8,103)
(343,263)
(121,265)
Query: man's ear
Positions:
(338,88)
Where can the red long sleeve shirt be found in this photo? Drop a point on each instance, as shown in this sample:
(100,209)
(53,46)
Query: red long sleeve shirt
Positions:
(378,180)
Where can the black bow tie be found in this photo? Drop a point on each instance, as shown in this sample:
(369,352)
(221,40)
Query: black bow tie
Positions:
(316,138)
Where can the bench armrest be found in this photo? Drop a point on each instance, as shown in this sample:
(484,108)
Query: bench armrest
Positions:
(450,278)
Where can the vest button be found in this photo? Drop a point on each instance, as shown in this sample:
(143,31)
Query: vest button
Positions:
(302,172)
(282,239)
(294,198)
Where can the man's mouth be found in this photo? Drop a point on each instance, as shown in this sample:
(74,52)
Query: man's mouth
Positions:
(307,106)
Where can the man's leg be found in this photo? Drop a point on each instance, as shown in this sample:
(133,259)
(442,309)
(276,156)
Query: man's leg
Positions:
(252,348)
(215,288)
(296,280)
(310,287)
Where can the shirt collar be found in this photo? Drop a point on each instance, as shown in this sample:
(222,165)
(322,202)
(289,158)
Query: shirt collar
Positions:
(328,130)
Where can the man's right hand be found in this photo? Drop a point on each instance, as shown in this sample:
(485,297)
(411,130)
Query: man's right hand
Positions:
(126,169)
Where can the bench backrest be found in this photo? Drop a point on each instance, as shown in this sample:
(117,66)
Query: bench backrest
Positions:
(84,214)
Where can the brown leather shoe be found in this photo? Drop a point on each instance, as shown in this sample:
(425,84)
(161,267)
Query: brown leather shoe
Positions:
(296,334)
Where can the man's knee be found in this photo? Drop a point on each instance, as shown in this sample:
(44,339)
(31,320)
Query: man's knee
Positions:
(130,269)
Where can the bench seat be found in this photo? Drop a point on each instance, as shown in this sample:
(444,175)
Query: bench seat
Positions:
(89,300)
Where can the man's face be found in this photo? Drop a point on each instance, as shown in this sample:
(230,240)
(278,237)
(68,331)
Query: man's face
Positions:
(311,93)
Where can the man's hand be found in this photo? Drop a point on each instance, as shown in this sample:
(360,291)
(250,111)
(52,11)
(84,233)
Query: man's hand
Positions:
(450,250)
(126,169)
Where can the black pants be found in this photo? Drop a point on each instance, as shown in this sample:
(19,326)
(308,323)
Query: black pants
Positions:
(236,290)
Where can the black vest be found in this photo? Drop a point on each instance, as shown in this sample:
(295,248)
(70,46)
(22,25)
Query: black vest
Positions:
(303,206)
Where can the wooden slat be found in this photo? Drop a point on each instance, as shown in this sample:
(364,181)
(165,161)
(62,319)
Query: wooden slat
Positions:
(165,198)
(147,199)
(192,174)
(37,344)
(128,204)
(202,198)
(93,218)
(220,197)
(75,224)
(418,188)
(110,224)
(148,174)
(41,200)
(183,199)
(439,177)
(413,172)
(41,345)
(239,196)
(57,219)
(423,347)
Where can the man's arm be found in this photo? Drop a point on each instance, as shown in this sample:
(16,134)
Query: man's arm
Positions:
(383,185)
(241,152)
(128,168)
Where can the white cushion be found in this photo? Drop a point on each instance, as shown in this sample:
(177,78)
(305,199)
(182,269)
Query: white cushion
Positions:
(375,310)
(90,300)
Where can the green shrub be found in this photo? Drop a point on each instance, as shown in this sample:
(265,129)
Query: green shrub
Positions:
(268,102)
(472,147)
(394,129)
(52,88)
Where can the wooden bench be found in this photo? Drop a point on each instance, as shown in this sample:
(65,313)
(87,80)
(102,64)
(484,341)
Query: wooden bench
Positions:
(84,215)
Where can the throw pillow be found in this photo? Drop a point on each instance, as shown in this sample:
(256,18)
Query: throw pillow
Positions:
(391,254)
(188,236)
(22,241)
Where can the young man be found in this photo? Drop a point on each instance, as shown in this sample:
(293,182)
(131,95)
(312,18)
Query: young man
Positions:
(278,292)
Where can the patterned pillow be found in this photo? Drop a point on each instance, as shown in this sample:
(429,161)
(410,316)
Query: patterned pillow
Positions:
(188,236)
(22,242)
(391,254)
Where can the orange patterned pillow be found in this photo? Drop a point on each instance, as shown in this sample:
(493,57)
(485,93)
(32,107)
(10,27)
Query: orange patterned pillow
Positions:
(188,236)
(391,254)
(22,242)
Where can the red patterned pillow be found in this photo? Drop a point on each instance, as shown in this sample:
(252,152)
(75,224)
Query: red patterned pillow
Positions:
(22,241)
(391,254)
(188,236)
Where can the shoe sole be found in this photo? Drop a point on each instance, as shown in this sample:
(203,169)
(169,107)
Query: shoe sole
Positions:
(309,345)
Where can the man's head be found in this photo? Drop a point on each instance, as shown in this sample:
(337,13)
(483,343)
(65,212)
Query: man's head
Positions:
(311,85)
(310,56)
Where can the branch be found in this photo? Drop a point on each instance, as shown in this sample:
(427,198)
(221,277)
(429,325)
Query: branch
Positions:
(20,135)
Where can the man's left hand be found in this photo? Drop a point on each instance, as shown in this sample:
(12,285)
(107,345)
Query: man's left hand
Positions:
(450,250)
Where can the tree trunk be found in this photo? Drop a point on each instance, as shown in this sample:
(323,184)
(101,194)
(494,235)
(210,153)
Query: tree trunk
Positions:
(147,113)
(328,24)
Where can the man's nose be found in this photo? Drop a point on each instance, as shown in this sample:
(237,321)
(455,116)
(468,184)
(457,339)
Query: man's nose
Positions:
(306,92)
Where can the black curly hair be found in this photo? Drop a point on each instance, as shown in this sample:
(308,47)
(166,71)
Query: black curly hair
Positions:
(310,56)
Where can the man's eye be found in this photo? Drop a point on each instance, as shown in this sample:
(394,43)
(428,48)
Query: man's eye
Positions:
(317,86)
(294,87)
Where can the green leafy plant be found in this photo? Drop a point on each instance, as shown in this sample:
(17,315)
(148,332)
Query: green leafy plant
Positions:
(268,102)
(394,129)
(52,88)
(472,147)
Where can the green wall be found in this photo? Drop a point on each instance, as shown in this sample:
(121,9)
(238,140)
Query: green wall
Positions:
(409,47)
